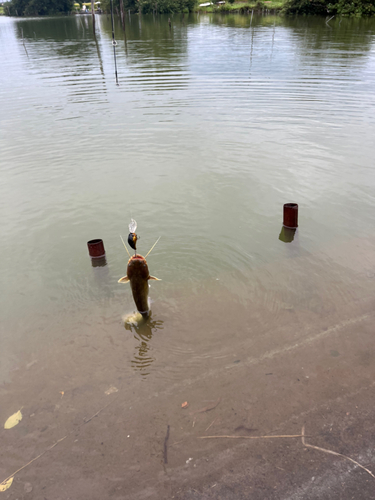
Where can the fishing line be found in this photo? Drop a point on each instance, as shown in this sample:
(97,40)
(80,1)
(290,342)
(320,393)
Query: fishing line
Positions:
(125,246)
(114,43)
(153,246)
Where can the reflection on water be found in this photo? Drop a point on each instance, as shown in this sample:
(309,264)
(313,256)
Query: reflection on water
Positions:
(99,262)
(143,332)
(287,234)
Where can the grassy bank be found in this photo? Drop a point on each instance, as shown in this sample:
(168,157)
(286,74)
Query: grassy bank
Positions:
(244,7)
(236,7)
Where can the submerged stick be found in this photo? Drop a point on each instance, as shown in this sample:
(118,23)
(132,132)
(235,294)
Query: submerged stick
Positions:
(33,460)
(251,437)
(177,442)
(332,453)
(57,442)
(86,421)
(211,424)
(166,446)
(207,408)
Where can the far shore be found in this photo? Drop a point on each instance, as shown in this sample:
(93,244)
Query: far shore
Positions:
(240,7)
(244,7)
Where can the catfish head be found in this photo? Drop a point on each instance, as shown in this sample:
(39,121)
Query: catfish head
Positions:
(138,276)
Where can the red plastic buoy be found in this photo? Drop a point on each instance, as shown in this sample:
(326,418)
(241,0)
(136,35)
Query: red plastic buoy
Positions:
(96,249)
(290,215)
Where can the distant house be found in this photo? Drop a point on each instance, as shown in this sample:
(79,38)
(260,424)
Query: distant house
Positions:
(207,4)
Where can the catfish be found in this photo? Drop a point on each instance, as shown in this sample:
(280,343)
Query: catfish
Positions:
(138,276)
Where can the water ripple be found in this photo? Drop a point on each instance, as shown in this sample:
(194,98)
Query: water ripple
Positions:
(215,125)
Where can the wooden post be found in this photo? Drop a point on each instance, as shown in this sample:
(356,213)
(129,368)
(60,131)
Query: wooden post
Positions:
(122,14)
(93,15)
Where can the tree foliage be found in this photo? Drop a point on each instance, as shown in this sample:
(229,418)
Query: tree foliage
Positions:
(37,7)
(326,7)
(166,6)
(318,7)
(148,6)
(353,8)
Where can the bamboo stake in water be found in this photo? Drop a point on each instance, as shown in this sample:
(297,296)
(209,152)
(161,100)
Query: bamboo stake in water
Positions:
(93,15)
(122,14)
(114,43)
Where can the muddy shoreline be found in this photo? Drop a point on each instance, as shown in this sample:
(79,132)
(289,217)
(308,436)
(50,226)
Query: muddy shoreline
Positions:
(309,366)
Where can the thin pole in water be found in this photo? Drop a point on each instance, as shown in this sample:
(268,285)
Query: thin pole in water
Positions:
(122,12)
(114,43)
(252,40)
(93,15)
(23,41)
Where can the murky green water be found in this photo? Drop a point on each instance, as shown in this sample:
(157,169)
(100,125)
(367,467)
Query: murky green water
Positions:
(215,125)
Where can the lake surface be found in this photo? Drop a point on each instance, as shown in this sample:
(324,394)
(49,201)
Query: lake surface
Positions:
(216,123)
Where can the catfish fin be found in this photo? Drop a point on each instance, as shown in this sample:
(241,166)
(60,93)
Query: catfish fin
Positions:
(125,279)
(153,278)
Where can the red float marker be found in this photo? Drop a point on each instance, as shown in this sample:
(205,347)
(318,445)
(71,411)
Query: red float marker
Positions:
(96,249)
(290,215)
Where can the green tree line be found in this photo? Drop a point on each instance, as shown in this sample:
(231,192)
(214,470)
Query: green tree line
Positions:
(357,8)
(52,7)
(37,7)
(150,6)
